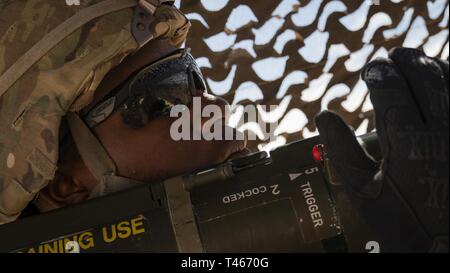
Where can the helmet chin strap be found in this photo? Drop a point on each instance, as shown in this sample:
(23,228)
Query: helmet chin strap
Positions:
(97,160)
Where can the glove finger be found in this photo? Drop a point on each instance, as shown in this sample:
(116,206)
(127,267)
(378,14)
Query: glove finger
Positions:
(388,88)
(394,107)
(346,155)
(426,82)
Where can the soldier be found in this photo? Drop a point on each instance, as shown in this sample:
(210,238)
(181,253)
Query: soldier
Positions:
(120,136)
(136,135)
(57,60)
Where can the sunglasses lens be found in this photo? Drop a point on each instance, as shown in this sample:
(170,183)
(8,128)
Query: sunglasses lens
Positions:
(153,91)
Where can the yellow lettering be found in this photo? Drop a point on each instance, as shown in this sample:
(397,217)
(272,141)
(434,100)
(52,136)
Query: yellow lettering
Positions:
(137,225)
(51,247)
(113,237)
(123,230)
(86,240)
(61,248)
(66,240)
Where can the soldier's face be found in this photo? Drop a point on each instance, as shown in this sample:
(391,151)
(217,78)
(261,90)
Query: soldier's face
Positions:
(150,153)
(145,154)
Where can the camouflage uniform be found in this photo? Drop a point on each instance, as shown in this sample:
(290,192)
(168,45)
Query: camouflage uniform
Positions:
(63,80)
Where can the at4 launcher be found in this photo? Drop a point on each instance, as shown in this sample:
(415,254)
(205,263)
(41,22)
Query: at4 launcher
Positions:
(288,201)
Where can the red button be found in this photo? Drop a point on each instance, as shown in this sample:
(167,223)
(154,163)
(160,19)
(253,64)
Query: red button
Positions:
(317,152)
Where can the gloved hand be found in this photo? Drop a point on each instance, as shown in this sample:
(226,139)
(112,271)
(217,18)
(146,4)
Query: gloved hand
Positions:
(404,199)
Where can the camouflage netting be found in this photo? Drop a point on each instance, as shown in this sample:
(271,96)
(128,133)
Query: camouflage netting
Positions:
(306,56)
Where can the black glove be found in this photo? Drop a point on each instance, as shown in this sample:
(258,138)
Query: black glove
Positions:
(404,198)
